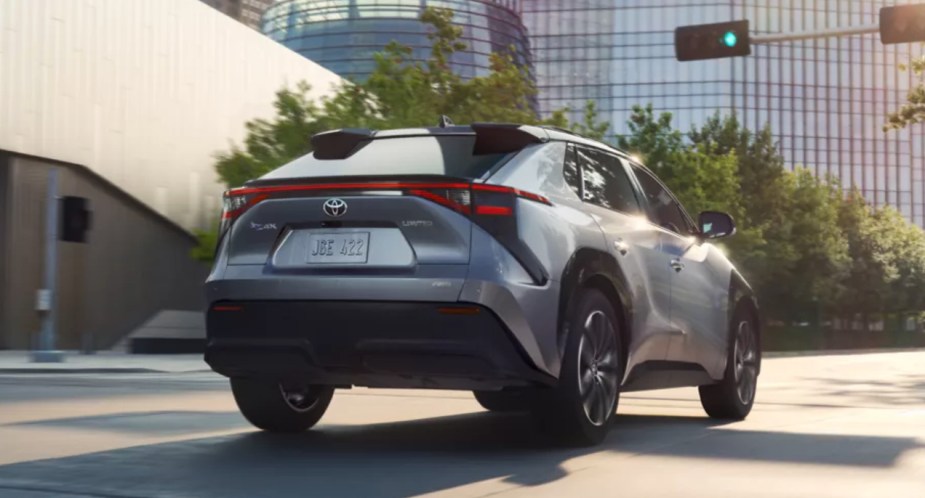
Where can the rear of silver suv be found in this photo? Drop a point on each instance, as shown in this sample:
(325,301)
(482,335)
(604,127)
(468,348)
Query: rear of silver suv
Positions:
(446,258)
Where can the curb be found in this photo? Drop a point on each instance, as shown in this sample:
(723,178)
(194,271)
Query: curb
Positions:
(837,352)
(78,370)
(127,370)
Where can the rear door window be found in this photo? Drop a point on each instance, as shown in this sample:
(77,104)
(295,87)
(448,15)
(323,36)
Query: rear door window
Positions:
(605,181)
(448,155)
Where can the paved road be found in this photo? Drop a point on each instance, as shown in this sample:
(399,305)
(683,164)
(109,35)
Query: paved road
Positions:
(834,426)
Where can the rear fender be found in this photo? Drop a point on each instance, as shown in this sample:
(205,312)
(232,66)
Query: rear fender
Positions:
(593,268)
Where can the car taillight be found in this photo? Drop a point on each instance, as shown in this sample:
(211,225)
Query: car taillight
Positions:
(234,204)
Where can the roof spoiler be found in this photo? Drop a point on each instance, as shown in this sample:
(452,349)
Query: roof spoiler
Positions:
(340,144)
(490,138)
(502,138)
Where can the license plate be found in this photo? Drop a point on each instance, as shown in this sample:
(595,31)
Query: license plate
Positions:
(350,247)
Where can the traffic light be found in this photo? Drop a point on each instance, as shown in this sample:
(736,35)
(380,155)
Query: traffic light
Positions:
(712,41)
(902,24)
(75,219)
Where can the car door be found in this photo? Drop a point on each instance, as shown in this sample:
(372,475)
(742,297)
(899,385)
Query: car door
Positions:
(699,294)
(610,197)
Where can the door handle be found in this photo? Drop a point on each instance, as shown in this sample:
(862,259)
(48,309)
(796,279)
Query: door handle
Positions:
(621,247)
(676,265)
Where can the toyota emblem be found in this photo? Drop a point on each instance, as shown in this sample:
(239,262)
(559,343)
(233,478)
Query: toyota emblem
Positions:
(335,208)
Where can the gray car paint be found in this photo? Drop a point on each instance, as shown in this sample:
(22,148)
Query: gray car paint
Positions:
(679,317)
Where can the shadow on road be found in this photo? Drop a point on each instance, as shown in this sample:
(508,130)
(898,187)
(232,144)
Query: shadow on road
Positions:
(908,389)
(406,458)
(165,423)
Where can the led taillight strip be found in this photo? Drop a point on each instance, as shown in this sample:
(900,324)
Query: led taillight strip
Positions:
(344,186)
(418,189)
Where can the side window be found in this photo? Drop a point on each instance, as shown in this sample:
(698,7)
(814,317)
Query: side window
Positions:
(571,172)
(605,181)
(664,210)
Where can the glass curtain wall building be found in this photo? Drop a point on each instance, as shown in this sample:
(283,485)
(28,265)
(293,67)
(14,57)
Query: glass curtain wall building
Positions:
(825,100)
(343,35)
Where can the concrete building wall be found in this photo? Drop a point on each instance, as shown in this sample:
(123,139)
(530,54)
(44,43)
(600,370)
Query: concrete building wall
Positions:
(135,261)
(4,210)
(142,92)
(130,100)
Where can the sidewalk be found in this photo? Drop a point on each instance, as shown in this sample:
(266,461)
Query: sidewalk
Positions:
(19,362)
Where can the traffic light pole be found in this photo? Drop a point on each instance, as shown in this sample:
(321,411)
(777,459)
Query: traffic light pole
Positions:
(811,35)
(46,352)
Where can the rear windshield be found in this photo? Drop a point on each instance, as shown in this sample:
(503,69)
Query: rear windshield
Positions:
(422,155)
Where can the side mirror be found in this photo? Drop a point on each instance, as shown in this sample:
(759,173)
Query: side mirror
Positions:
(716,225)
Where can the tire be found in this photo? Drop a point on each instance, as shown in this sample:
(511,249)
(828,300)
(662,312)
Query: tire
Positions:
(504,401)
(268,406)
(733,397)
(581,408)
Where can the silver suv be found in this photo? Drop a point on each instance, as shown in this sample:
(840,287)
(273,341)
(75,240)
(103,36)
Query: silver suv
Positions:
(544,271)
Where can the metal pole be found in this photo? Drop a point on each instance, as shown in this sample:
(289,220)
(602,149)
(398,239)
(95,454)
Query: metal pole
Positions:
(46,352)
(809,35)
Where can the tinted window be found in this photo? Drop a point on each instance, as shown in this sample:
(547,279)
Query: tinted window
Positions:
(571,172)
(422,155)
(663,209)
(605,181)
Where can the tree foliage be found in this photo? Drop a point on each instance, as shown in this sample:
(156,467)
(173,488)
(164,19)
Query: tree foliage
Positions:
(913,110)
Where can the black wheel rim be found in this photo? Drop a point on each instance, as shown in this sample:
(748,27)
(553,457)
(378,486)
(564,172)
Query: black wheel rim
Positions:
(598,368)
(300,399)
(746,362)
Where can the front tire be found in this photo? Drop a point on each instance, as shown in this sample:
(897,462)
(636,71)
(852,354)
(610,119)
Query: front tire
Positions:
(734,396)
(275,407)
(581,407)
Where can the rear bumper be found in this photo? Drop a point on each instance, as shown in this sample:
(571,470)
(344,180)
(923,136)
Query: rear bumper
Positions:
(375,344)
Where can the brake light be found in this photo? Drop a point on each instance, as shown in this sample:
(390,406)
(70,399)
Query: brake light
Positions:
(494,211)
(454,195)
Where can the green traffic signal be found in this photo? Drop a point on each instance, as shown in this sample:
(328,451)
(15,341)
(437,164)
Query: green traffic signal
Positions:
(730,39)
(712,41)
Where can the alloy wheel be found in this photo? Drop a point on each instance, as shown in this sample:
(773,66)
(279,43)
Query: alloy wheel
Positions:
(300,398)
(746,362)
(598,368)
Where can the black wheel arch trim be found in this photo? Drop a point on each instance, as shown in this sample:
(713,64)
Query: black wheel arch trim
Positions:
(585,265)
(742,294)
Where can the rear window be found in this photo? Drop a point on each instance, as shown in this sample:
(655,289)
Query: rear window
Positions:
(423,155)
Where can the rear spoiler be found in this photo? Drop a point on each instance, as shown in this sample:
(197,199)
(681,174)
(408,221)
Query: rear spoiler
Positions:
(340,144)
(490,138)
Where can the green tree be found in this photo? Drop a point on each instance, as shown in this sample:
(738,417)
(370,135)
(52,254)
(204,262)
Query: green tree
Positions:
(760,165)
(816,257)
(590,126)
(272,143)
(913,110)
(652,138)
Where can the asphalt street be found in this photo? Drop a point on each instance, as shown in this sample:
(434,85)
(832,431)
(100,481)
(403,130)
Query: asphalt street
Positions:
(833,426)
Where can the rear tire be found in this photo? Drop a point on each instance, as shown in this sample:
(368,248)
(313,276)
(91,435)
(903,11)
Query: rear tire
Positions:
(504,401)
(581,407)
(274,408)
(733,397)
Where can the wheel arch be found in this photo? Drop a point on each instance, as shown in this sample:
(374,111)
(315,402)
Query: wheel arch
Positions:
(742,297)
(595,269)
